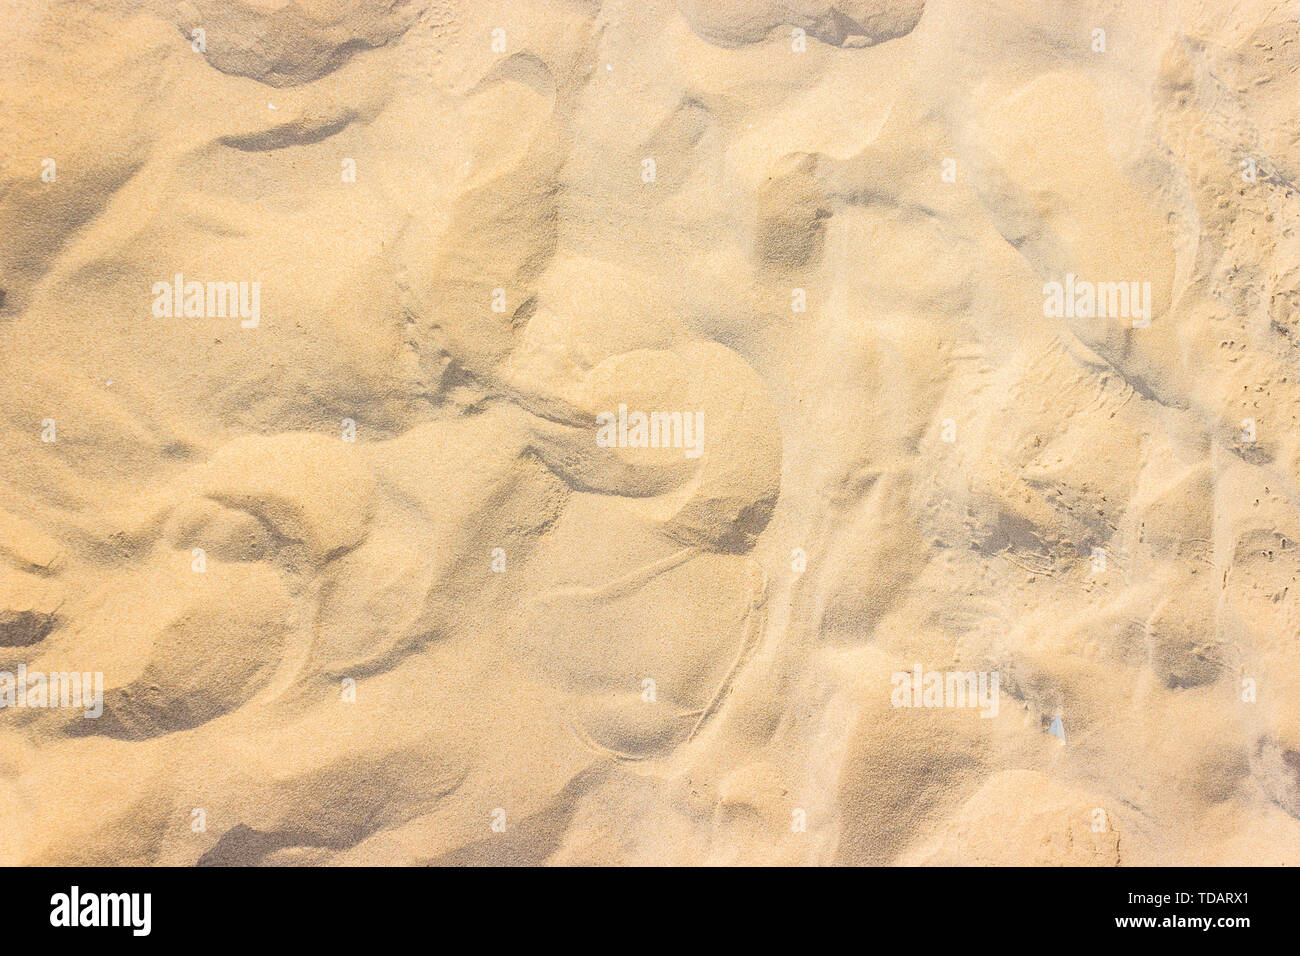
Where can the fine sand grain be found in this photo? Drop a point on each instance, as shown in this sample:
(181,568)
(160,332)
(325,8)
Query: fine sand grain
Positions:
(684,431)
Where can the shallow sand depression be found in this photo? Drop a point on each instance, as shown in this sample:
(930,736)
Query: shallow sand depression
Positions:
(687,432)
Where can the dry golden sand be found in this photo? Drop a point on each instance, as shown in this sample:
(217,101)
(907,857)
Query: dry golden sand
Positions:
(363,577)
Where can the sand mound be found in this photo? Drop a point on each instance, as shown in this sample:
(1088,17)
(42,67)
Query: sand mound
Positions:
(841,23)
(290,42)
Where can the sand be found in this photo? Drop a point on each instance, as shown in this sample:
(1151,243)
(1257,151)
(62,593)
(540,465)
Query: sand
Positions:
(701,432)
